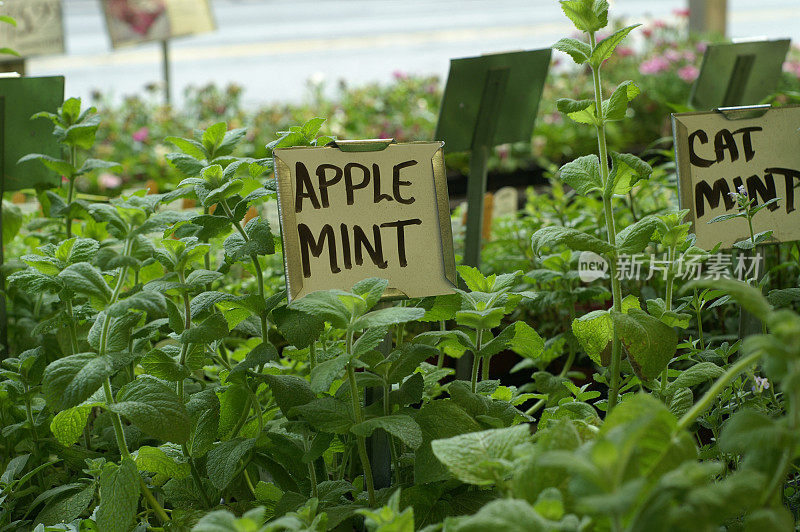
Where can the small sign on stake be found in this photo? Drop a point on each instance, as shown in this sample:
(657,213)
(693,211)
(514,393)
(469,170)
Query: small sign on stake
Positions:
(132,22)
(39,29)
(348,214)
(720,152)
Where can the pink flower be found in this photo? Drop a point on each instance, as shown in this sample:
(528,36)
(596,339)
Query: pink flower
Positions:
(701,47)
(107,180)
(659,24)
(647,32)
(680,12)
(399,75)
(673,56)
(624,51)
(654,65)
(142,134)
(688,73)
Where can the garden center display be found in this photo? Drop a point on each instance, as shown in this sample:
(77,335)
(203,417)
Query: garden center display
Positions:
(631,366)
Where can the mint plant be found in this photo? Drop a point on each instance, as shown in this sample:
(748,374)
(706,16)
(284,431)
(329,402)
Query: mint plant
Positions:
(591,174)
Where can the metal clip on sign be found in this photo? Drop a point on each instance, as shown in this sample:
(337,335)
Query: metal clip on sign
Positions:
(744,111)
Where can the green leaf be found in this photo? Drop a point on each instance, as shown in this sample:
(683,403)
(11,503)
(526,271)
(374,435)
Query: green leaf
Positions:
(508,515)
(438,419)
(525,341)
(325,305)
(582,174)
(324,373)
(11,221)
(552,236)
(606,47)
(616,107)
(67,507)
(214,135)
(699,373)
(154,407)
(229,141)
(212,328)
(90,165)
(406,359)
(748,297)
(300,328)
(149,301)
(481,458)
(626,171)
(578,50)
(326,414)
(634,238)
(650,343)
(69,381)
(75,250)
(190,147)
(371,290)
(83,278)
(185,164)
(387,316)
(443,308)
(594,331)
(119,496)
(67,426)
(400,426)
(163,365)
(155,460)
(33,281)
(369,341)
(58,166)
(261,241)
(223,460)
(289,391)
(748,430)
(586,15)
(480,319)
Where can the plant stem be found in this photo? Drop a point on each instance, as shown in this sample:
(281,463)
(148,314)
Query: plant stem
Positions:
(73,332)
(616,289)
(196,476)
(73,161)
(256,265)
(476,360)
(358,413)
(712,393)
(312,355)
(668,307)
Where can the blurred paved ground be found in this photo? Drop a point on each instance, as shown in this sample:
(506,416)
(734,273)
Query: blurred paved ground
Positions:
(272,47)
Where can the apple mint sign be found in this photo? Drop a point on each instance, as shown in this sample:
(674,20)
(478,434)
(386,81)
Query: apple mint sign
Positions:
(718,154)
(348,214)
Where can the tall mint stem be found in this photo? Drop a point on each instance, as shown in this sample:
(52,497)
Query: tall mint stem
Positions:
(358,413)
(608,211)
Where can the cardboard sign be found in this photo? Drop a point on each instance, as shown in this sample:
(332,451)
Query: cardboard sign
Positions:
(718,152)
(21,98)
(132,22)
(39,30)
(350,215)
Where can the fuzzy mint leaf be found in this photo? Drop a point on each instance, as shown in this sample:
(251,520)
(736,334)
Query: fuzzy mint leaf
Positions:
(387,316)
(69,381)
(65,507)
(156,460)
(67,426)
(616,106)
(190,147)
(555,235)
(606,47)
(370,290)
(748,297)
(582,174)
(578,50)
(154,407)
(325,305)
(650,343)
(260,241)
(289,391)
(324,373)
(401,426)
(481,458)
(213,136)
(627,170)
(594,332)
(163,365)
(587,15)
(634,238)
(223,460)
(185,164)
(58,166)
(326,414)
(83,278)
(697,374)
(119,496)
(212,328)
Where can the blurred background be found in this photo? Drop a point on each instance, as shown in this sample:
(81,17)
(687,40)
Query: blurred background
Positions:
(271,48)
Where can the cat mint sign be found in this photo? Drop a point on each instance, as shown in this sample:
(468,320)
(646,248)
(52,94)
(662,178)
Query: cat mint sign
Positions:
(718,152)
(361,209)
